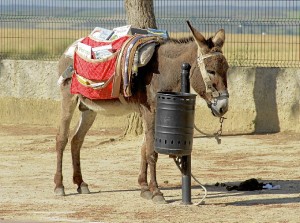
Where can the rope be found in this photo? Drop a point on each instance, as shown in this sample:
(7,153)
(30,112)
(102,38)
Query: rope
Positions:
(203,133)
(177,160)
(215,135)
(201,202)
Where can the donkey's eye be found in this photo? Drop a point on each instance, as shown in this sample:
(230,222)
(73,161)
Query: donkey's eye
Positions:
(211,72)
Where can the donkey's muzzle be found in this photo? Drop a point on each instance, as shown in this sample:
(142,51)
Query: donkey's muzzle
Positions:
(219,105)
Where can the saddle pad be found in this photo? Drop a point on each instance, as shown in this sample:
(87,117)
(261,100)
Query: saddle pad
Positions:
(95,72)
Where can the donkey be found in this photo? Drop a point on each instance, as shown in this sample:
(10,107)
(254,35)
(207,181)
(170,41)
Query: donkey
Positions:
(162,73)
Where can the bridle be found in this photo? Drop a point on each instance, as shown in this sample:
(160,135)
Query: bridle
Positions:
(209,88)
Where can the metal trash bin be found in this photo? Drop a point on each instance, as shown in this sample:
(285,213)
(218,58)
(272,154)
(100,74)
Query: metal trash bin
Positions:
(174,123)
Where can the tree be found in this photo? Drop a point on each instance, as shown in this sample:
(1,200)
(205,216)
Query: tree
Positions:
(139,14)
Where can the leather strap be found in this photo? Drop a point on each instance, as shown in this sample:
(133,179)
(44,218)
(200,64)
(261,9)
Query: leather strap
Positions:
(207,81)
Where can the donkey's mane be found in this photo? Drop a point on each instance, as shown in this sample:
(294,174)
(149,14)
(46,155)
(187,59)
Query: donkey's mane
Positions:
(180,40)
(172,51)
(209,41)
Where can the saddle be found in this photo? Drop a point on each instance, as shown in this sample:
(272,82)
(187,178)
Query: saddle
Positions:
(105,69)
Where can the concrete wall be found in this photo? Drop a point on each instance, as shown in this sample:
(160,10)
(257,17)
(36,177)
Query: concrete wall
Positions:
(29,95)
(261,99)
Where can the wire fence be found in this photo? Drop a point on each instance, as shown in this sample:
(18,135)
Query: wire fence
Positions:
(262,33)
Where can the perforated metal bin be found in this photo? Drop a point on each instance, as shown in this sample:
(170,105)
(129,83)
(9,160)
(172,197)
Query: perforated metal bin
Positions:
(174,123)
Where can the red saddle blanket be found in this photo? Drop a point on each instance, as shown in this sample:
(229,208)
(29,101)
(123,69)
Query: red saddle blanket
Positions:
(102,78)
(93,78)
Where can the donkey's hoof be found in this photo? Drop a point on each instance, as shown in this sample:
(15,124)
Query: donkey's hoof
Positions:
(59,191)
(83,189)
(159,199)
(146,194)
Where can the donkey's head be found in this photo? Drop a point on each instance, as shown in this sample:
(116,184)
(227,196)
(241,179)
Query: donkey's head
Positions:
(208,74)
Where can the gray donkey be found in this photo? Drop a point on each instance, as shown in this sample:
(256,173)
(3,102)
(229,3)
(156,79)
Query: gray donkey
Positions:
(162,73)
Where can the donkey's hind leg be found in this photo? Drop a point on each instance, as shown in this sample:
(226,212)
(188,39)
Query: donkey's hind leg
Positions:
(142,180)
(150,155)
(68,105)
(86,120)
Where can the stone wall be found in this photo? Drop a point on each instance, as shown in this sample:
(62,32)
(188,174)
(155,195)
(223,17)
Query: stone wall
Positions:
(262,100)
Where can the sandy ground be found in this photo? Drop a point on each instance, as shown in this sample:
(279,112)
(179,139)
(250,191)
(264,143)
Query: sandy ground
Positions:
(111,168)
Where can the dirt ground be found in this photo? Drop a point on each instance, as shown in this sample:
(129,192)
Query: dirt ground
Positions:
(111,167)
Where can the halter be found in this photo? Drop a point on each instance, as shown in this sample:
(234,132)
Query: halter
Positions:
(207,81)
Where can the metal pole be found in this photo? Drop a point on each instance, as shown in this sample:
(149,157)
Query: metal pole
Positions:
(186,160)
(185,78)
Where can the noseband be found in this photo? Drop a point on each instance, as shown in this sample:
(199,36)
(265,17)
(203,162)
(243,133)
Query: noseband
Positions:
(209,88)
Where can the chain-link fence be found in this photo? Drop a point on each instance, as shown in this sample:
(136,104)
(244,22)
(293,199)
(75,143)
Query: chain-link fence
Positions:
(258,32)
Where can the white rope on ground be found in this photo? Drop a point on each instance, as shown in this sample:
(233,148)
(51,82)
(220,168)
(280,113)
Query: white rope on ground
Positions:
(177,162)
(201,202)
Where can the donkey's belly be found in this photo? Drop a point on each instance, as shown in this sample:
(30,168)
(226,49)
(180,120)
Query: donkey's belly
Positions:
(110,107)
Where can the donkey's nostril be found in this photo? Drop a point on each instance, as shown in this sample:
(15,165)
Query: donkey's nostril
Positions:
(221,110)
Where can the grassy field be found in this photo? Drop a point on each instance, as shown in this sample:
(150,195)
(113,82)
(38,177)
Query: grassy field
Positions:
(240,49)
(36,43)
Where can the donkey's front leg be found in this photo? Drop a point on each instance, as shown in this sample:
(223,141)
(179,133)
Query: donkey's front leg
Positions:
(86,120)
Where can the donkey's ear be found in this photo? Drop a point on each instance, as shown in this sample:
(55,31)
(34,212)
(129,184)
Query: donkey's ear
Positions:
(199,38)
(219,38)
